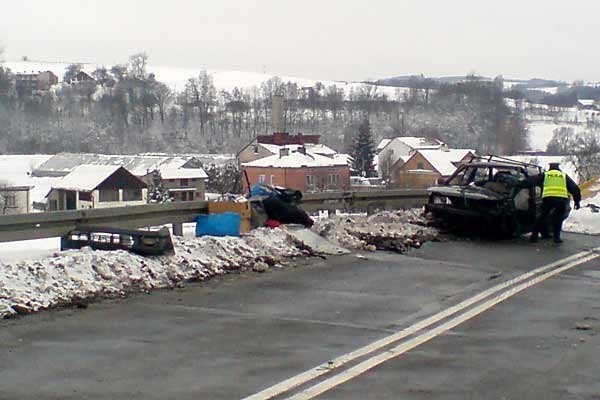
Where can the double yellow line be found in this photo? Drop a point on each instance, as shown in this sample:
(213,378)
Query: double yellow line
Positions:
(492,296)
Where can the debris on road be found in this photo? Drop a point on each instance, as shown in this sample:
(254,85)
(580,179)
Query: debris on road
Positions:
(397,230)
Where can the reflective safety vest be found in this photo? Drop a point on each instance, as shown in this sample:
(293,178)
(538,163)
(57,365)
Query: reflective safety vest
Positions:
(555,184)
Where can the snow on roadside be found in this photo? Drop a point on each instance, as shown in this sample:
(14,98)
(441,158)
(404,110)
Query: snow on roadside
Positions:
(388,230)
(74,275)
(586,220)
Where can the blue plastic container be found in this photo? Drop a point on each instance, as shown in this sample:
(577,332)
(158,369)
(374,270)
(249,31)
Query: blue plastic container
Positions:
(224,224)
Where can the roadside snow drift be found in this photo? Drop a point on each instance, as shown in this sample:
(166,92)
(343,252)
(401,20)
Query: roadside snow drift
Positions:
(75,275)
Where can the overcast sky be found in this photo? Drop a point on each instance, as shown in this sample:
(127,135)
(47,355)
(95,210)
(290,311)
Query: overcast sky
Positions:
(321,39)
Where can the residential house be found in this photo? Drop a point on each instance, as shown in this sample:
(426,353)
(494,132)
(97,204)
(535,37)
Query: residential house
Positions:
(182,184)
(424,168)
(298,169)
(14,199)
(391,151)
(97,186)
(268,145)
(588,104)
(82,77)
(183,174)
(27,84)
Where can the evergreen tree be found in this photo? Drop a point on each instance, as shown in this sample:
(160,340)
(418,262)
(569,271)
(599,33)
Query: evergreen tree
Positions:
(363,151)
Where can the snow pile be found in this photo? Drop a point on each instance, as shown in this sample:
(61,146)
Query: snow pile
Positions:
(73,276)
(389,230)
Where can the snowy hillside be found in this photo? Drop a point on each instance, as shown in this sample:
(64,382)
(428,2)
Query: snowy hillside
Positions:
(176,77)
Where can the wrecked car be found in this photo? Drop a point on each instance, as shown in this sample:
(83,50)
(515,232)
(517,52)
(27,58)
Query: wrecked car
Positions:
(487,196)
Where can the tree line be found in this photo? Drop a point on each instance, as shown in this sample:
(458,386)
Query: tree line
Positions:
(126,109)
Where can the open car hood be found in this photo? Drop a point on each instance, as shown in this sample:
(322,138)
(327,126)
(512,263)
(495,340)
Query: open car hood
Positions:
(469,192)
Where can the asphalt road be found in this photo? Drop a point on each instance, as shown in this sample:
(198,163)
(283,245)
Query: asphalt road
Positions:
(235,336)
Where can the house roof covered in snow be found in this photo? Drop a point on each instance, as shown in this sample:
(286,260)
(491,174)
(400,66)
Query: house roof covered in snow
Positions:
(382,144)
(310,148)
(444,160)
(586,102)
(183,173)
(296,159)
(139,165)
(86,177)
(419,142)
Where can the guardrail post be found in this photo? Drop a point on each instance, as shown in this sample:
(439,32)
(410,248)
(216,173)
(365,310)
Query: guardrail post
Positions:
(177,229)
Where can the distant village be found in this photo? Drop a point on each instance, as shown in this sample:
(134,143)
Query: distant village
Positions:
(288,160)
(295,160)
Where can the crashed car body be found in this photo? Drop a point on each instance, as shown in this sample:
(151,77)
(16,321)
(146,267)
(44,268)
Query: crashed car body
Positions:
(487,195)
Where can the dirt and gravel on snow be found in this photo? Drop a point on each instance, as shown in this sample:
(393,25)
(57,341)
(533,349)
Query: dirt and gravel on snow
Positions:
(79,276)
(398,230)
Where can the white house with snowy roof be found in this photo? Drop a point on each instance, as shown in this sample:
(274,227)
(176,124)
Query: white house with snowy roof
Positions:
(425,167)
(97,186)
(399,149)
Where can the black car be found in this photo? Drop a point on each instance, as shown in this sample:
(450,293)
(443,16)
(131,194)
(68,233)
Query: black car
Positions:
(487,195)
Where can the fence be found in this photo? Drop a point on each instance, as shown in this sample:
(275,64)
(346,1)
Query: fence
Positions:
(58,223)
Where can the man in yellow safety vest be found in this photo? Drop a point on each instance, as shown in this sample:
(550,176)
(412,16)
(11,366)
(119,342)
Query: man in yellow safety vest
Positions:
(556,187)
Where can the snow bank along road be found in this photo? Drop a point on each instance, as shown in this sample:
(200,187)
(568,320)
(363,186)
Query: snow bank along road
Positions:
(450,320)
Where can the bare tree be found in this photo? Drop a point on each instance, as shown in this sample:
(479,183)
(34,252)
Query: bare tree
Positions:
(163,95)
(137,65)
(71,71)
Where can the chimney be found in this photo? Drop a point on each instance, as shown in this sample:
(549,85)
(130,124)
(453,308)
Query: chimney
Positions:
(302,150)
(444,147)
(277,113)
(284,152)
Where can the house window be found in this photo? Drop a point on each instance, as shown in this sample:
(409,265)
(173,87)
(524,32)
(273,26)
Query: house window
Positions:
(10,200)
(310,180)
(184,182)
(107,195)
(132,194)
(272,179)
(85,196)
(53,205)
(420,166)
(262,179)
(198,195)
(194,179)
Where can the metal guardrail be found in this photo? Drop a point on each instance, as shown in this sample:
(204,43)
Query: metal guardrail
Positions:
(58,223)
(365,200)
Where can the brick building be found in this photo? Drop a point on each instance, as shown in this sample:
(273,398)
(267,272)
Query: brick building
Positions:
(27,84)
(300,170)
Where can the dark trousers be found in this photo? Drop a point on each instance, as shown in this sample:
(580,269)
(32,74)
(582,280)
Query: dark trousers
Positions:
(555,208)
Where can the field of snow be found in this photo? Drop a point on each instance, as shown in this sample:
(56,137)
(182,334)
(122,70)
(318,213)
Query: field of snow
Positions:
(176,77)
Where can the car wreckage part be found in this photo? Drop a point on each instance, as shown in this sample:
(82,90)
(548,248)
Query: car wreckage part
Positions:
(143,242)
